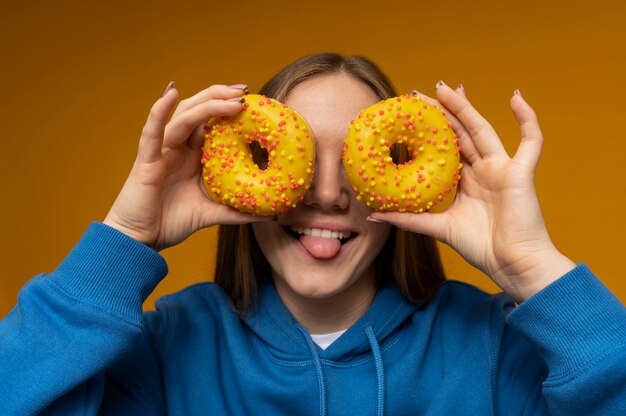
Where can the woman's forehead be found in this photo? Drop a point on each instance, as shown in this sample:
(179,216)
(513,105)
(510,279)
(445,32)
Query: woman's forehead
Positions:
(329,102)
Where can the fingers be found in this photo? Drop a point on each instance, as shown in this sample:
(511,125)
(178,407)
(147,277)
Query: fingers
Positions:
(213,92)
(181,127)
(152,134)
(189,117)
(469,152)
(196,139)
(461,90)
(430,224)
(456,124)
(215,213)
(465,141)
(219,214)
(186,126)
(483,136)
(530,146)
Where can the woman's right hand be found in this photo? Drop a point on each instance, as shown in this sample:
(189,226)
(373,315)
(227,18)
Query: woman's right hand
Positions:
(163,200)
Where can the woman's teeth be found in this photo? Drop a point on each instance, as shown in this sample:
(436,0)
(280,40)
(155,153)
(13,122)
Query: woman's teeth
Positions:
(320,232)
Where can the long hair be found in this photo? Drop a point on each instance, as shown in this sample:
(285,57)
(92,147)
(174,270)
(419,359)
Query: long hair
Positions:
(412,260)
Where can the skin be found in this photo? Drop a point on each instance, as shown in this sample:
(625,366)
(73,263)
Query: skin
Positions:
(163,201)
(495,222)
(326,295)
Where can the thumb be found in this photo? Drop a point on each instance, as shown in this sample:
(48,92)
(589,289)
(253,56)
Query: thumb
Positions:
(215,213)
(435,225)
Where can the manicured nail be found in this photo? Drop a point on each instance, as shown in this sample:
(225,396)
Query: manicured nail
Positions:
(517,92)
(374,220)
(169,87)
(242,87)
(440,84)
(237,99)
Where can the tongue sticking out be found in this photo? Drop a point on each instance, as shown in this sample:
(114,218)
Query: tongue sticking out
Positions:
(321,248)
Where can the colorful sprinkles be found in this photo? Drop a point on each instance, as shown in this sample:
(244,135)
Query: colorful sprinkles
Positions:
(232,177)
(433,167)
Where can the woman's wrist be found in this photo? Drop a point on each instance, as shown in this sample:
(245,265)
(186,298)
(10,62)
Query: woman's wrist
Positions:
(132,233)
(536,274)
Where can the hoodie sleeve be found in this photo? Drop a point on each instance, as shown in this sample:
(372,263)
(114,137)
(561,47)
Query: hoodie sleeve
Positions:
(579,329)
(70,325)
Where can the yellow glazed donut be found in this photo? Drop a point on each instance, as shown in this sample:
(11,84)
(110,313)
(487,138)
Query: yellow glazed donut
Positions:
(229,172)
(430,174)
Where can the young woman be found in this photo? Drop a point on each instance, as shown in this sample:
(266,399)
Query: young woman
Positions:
(298,324)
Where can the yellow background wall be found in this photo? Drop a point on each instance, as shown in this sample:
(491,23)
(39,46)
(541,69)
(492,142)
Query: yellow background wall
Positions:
(79,77)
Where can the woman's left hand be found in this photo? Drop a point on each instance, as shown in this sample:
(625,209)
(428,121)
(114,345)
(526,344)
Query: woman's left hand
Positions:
(495,222)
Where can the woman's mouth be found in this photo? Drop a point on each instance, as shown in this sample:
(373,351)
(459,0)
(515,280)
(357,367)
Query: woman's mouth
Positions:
(320,243)
(296,232)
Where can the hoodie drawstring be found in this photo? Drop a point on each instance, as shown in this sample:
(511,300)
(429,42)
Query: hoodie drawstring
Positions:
(318,368)
(378,362)
(380,371)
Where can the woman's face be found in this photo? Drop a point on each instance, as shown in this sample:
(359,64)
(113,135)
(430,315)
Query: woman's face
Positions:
(339,254)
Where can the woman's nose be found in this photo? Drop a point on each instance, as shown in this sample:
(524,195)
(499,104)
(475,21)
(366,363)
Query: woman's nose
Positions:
(330,190)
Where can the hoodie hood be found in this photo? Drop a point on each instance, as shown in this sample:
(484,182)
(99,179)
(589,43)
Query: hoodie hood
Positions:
(277,327)
(291,342)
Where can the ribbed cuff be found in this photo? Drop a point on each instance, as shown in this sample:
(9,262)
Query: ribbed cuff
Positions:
(110,270)
(575,321)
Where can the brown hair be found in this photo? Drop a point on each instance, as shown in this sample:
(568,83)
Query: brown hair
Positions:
(412,260)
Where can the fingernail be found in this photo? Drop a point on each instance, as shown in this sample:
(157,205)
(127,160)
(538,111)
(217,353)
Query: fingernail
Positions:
(415,93)
(440,84)
(169,87)
(242,87)
(517,92)
(237,100)
(460,87)
(374,220)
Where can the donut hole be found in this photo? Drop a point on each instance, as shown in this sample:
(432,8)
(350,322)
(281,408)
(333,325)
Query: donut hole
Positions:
(260,156)
(399,153)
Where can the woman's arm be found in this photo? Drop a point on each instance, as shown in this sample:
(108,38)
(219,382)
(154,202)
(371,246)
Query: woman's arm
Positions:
(566,314)
(70,325)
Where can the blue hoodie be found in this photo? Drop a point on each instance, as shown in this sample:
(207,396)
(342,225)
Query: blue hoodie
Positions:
(77,342)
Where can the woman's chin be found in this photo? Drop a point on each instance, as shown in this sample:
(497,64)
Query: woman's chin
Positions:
(324,286)
(316,289)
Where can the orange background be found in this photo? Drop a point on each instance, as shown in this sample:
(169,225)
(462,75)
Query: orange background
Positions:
(78,81)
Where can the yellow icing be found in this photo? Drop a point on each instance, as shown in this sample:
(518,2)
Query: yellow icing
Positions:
(430,176)
(232,177)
